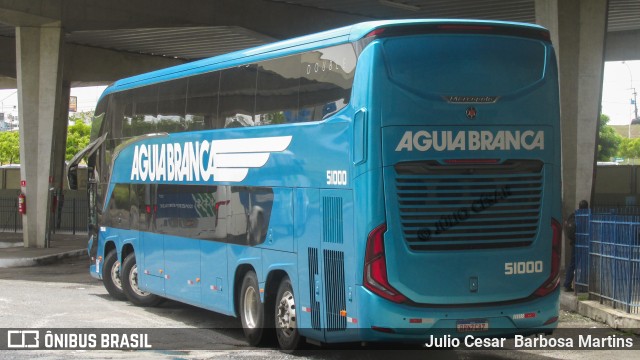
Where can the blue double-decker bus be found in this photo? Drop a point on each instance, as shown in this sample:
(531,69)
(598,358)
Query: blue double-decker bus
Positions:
(378,182)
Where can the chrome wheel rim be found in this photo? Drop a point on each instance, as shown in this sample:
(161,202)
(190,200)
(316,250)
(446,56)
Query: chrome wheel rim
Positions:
(250,308)
(133,280)
(286,317)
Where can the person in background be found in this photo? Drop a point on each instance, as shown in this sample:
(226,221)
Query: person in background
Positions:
(570,232)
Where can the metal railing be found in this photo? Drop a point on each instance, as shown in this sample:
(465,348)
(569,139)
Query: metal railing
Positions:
(608,256)
(10,220)
(70,218)
(582,249)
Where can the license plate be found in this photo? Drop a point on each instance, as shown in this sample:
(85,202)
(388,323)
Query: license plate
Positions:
(472,325)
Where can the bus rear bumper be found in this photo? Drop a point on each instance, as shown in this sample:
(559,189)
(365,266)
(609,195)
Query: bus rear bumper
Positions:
(398,322)
(95,273)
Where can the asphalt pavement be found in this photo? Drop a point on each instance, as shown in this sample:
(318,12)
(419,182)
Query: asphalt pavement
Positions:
(13,254)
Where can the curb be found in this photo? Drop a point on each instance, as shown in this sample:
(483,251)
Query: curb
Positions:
(41,260)
(594,310)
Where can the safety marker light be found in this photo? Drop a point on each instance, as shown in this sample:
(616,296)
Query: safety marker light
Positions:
(524,316)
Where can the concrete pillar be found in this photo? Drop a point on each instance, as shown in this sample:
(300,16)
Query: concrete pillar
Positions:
(60,129)
(39,75)
(578,30)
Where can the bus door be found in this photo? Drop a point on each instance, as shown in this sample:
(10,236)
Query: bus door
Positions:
(178,217)
(212,207)
(152,255)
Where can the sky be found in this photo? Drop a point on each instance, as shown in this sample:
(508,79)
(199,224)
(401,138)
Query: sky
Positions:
(87,98)
(616,93)
(616,90)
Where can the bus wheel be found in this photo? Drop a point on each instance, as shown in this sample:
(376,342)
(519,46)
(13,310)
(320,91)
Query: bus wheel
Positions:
(252,311)
(111,276)
(285,317)
(129,276)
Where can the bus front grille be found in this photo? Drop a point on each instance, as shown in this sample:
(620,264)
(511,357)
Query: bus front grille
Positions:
(469,206)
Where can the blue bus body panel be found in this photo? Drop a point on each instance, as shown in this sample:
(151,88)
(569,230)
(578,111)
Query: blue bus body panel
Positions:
(313,149)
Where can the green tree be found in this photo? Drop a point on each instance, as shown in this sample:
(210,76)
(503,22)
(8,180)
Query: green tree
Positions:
(77,137)
(9,147)
(629,148)
(608,140)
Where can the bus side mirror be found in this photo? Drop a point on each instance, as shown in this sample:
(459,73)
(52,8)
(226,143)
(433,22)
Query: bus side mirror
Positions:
(72,178)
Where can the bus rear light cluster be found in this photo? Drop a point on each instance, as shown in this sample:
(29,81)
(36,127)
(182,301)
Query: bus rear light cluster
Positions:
(556,245)
(375,267)
(376,32)
(459,28)
(467,28)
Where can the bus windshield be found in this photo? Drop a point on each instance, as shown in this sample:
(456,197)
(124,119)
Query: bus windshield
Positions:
(465,65)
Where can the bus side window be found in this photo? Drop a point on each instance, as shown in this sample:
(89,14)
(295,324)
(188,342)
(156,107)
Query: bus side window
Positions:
(327,78)
(202,102)
(119,207)
(145,110)
(134,212)
(277,93)
(172,102)
(237,96)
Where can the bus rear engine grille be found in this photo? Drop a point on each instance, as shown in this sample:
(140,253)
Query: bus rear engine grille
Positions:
(475,206)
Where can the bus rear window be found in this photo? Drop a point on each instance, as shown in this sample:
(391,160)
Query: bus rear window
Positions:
(466,65)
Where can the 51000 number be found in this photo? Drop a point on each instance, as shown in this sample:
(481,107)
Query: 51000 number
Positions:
(523,267)
(336,177)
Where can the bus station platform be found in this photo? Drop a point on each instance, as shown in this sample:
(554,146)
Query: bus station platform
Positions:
(14,254)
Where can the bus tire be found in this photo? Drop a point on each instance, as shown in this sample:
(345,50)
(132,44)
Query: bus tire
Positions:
(252,313)
(129,276)
(111,269)
(286,323)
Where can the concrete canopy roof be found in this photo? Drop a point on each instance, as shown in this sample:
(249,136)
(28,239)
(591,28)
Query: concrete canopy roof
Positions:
(193,29)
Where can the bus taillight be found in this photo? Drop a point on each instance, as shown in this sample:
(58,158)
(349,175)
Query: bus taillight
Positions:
(556,245)
(375,267)
(376,32)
